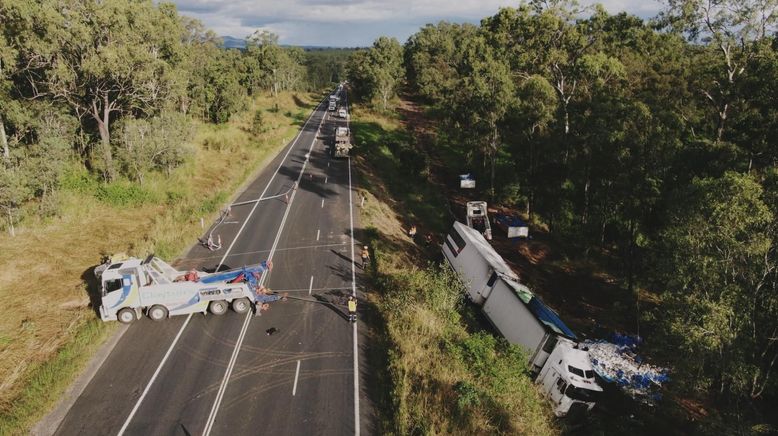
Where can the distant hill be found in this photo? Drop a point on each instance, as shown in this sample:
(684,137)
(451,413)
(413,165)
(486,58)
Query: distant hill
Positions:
(232,42)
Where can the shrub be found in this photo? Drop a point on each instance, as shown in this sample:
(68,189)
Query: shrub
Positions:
(123,193)
(78,179)
(257,123)
(158,143)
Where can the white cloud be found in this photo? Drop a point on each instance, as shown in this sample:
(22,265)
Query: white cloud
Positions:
(355,22)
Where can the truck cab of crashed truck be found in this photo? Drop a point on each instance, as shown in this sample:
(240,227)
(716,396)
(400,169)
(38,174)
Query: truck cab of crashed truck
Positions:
(568,379)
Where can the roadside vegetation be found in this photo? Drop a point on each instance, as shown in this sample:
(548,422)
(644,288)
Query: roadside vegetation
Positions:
(445,376)
(643,155)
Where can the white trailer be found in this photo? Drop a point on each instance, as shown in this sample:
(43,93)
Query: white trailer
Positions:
(563,370)
(130,287)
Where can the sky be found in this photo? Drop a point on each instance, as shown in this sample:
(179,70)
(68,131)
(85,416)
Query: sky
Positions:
(355,23)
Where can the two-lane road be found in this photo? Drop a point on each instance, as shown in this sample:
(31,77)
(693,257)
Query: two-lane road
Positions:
(225,374)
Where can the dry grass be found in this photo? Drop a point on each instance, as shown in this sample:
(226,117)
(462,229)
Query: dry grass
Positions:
(436,385)
(43,288)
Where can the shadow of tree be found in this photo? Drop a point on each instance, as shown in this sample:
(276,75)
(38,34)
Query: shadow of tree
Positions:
(298,102)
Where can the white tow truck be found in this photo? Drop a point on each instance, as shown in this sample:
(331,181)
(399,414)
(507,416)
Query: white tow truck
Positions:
(131,287)
(560,365)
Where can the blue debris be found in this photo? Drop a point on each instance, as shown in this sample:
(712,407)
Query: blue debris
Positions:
(616,361)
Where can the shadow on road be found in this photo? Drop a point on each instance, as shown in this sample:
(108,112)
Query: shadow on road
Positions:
(340,311)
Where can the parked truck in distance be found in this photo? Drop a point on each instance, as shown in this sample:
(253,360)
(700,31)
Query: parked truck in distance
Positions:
(478,218)
(558,364)
(130,287)
(341,142)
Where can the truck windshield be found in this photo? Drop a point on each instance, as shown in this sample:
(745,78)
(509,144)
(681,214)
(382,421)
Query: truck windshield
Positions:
(577,371)
(112,285)
(581,394)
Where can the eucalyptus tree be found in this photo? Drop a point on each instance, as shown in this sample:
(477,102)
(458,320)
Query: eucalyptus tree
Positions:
(377,73)
(732,28)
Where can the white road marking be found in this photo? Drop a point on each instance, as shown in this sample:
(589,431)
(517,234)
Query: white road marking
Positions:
(317,234)
(296,375)
(239,343)
(310,286)
(354,293)
(322,202)
(325,179)
(154,377)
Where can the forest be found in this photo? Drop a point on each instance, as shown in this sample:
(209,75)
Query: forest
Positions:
(652,142)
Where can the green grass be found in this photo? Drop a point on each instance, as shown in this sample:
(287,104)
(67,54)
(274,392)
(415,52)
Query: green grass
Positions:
(49,380)
(442,378)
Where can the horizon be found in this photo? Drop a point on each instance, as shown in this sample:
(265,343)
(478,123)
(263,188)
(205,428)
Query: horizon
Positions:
(357,23)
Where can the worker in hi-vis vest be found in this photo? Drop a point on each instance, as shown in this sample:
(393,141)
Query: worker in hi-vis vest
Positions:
(352,309)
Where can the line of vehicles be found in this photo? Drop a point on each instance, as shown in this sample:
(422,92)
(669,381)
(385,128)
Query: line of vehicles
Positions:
(341,140)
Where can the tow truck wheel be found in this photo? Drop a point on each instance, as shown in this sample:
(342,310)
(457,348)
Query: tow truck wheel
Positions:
(126,315)
(157,312)
(241,305)
(218,307)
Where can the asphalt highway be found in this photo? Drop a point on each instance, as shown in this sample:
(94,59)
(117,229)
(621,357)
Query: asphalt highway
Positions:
(206,374)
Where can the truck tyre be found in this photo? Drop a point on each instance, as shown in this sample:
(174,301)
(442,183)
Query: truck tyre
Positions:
(218,307)
(157,312)
(241,305)
(126,315)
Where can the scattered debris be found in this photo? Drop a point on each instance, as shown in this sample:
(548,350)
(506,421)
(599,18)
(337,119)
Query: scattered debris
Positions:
(617,362)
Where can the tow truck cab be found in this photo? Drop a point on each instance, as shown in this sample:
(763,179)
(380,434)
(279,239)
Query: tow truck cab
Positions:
(119,284)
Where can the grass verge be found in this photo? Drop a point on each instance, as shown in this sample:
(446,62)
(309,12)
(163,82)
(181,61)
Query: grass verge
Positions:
(48,331)
(442,378)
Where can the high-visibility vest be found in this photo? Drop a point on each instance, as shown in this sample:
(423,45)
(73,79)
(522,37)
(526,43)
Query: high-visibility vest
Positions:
(352,306)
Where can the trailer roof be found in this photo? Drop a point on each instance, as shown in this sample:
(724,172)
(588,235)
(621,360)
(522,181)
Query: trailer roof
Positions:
(496,261)
(543,313)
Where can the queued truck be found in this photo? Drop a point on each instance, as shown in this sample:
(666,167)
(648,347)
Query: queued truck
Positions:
(131,287)
(341,142)
(558,364)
